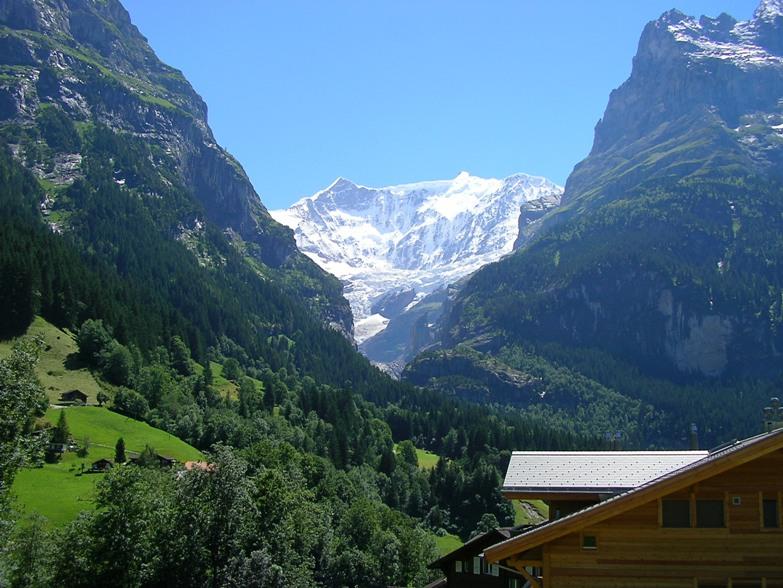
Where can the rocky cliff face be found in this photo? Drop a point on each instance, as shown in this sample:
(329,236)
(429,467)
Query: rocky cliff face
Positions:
(87,59)
(664,249)
(703,96)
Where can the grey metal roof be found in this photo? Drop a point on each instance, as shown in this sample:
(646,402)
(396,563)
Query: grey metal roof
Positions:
(591,471)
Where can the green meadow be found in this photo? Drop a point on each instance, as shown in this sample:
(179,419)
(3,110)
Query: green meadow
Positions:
(59,369)
(60,491)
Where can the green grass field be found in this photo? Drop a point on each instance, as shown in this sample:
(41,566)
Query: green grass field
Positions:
(447,543)
(59,491)
(427,459)
(104,427)
(60,351)
(531,513)
(226,388)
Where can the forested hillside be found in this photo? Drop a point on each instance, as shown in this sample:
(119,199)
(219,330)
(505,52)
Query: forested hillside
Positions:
(659,278)
(123,224)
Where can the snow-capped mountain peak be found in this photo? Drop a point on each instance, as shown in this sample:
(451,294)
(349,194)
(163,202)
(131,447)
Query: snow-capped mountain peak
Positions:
(768,10)
(744,44)
(418,236)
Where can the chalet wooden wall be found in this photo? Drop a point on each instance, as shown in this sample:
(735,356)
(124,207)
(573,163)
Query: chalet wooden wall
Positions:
(633,549)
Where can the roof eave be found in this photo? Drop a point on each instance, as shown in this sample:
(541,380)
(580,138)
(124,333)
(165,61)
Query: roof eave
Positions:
(666,484)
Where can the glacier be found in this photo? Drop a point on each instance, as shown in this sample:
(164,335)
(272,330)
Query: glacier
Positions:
(394,245)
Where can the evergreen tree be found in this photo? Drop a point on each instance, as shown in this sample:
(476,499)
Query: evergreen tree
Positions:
(207,374)
(231,369)
(119,451)
(180,357)
(61,432)
(407,453)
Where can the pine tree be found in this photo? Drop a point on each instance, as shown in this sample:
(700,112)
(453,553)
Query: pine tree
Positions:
(119,451)
(61,432)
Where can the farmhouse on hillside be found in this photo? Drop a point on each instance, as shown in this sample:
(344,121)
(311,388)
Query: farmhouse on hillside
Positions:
(465,568)
(76,396)
(101,466)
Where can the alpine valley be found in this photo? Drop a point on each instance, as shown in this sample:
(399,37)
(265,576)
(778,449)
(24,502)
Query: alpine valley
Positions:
(141,274)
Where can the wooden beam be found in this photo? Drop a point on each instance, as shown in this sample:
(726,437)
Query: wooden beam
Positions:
(547,565)
(519,564)
(533,581)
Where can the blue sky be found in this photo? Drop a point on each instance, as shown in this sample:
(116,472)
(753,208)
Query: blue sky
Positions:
(394,91)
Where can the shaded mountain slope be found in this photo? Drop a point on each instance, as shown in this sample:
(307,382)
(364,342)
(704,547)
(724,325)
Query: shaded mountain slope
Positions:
(84,61)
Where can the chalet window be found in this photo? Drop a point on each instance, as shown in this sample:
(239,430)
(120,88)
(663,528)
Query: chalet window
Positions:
(771,513)
(488,568)
(589,542)
(676,513)
(458,567)
(477,565)
(709,514)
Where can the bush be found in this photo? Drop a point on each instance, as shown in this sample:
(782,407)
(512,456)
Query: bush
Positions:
(93,340)
(131,403)
(231,370)
(116,364)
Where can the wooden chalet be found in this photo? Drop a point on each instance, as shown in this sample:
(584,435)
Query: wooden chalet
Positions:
(159,460)
(101,466)
(75,396)
(651,519)
(466,568)
(567,481)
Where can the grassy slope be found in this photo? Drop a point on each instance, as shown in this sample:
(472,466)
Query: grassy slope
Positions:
(427,459)
(525,515)
(447,543)
(103,427)
(60,351)
(58,491)
(225,387)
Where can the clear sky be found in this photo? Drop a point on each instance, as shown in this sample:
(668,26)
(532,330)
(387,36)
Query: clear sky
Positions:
(394,91)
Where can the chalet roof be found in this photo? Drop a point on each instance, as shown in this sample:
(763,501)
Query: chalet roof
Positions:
(73,394)
(715,462)
(199,465)
(593,472)
(475,545)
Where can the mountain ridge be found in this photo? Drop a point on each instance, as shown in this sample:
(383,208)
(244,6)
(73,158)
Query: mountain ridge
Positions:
(88,60)
(659,276)
(659,233)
